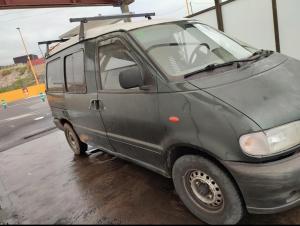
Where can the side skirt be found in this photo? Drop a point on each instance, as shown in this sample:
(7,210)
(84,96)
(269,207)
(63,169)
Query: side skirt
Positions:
(140,163)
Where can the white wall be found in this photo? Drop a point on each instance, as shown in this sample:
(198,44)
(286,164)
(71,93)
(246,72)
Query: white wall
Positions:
(208,18)
(289,26)
(251,21)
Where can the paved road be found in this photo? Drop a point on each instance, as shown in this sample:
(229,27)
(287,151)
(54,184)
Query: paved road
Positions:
(23,121)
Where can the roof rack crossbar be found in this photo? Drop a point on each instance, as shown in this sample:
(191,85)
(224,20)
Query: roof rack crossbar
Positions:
(47,43)
(118,16)
(52,41)
(84,20)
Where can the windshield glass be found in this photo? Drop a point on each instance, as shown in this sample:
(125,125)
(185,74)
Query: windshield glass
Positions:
(184,47)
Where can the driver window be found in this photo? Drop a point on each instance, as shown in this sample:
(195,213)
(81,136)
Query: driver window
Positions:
(114,58)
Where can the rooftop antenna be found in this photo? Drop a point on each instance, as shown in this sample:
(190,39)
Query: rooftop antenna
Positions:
(84,20)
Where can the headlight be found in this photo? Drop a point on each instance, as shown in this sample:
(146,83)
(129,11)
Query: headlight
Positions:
(271,141)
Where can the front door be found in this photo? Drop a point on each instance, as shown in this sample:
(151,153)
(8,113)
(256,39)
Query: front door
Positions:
(130,116)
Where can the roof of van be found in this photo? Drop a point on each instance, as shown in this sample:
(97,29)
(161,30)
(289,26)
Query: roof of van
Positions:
(101,30)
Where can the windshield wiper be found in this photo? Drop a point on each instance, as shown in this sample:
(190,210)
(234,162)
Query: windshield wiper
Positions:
(262,52)
(258,52)
(212,67)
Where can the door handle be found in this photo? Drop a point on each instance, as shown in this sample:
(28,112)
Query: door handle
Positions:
(96,105)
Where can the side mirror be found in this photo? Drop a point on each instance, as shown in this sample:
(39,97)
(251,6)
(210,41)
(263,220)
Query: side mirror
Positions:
(131,78)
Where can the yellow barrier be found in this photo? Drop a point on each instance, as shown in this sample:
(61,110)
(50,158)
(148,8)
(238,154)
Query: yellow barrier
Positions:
(20,94)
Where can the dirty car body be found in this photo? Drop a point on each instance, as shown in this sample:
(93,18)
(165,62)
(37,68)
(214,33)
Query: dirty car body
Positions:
(243,116)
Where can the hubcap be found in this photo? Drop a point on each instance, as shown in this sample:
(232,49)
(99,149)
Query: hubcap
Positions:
(204,190)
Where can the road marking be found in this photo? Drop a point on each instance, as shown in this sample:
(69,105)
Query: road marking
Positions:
(39,118)
(36,113)
(18,117)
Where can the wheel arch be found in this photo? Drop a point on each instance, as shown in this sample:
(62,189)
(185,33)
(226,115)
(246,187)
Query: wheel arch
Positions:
(64,121)
(60,122)
(177,151)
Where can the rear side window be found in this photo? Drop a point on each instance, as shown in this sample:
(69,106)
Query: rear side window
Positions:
(74,71)
(55,79)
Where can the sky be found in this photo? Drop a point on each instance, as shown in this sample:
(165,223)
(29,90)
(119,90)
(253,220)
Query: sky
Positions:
(46,24)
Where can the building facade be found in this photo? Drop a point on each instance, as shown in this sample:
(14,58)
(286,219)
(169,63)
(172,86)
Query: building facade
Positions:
(24,59)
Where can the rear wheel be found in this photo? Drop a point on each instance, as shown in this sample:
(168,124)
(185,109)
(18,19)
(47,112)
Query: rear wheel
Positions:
(78,147)
(207,191)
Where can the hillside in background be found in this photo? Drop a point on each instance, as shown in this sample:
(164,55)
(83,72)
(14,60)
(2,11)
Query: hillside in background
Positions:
(16,77)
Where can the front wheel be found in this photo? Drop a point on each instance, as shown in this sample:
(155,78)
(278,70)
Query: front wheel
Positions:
(207,191)
(78,147)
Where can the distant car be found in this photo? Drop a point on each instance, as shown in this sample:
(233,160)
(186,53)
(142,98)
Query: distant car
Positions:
(182,99)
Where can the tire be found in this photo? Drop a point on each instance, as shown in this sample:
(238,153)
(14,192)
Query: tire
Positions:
(78,147)
(207,191)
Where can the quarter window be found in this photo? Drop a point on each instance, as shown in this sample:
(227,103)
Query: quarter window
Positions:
(55,79)
(74,70)
(114,58)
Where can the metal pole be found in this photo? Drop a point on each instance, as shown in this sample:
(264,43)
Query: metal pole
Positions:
(187,7)
(125,9)
(29,60)
(41,52)
(191,7)
(219,15)
(276,26)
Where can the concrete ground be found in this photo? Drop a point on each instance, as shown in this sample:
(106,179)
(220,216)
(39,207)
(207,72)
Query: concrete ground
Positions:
(41,182)
(48,185)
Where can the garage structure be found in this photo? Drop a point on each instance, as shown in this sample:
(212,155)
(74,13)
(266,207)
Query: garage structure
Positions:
(21,4)
(266,24)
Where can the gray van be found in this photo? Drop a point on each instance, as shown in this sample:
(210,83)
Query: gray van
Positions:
(221,118)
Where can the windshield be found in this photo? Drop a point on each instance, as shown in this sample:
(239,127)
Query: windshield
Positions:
(183,47)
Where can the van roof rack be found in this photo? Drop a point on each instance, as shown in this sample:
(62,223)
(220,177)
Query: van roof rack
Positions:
(52,41)
(84,20)
(88,26)
(47,43)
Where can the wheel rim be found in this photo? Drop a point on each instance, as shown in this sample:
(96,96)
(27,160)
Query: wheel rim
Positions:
(72,141)
(203,190)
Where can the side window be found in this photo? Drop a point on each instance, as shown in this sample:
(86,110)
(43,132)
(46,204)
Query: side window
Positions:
(74,71)
(55,79)
(114,58)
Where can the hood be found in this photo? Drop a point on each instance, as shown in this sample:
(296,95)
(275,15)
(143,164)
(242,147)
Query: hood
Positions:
(267,91)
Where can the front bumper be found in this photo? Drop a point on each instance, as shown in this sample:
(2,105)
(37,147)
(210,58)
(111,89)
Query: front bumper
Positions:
(270,187)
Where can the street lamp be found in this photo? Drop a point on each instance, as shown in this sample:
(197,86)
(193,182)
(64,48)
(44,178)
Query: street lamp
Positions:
(28,57)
